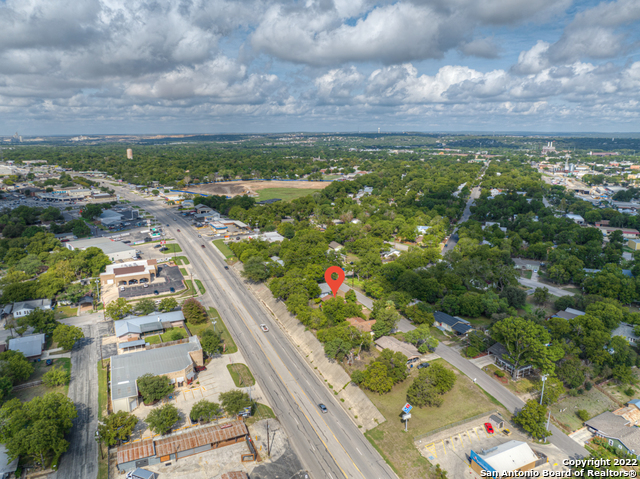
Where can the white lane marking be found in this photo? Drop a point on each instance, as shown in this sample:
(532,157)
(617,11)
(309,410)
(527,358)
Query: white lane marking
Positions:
(296,420)
(358,451)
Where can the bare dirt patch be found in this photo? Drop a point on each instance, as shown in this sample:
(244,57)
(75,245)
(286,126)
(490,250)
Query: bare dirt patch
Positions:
(236,188)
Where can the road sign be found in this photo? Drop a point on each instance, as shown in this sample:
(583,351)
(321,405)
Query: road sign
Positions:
(406,417)
(407,407)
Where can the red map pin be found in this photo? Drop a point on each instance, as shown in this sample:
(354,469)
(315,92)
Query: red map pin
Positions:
(334,284)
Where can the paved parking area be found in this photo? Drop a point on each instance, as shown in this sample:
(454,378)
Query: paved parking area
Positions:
(168,277)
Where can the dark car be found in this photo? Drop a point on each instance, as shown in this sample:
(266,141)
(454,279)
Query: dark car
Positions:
(423,365)
(167,224)
(156,292)
(237,237)
(49,362)
(202,245)
(323,408)
(226,267)
(178,230)
(173,290)
(157,246)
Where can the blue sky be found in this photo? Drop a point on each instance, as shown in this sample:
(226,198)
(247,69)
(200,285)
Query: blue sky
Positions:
(116,66)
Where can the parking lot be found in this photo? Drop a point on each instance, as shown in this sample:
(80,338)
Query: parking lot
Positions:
(168,277)
(450,448)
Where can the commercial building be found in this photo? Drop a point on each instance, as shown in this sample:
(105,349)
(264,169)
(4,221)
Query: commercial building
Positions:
(30,346)
(186,443)
(174,360)
(627,233)
(634,244)
(133,328)
(271,237)
(507,458)
(131,272)
(23,308)
(577,218)
(129,154)
(115,250)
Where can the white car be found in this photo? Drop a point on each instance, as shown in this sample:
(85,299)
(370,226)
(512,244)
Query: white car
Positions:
(264,327)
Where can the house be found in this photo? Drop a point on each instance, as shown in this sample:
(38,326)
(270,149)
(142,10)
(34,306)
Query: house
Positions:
(172,360)
(568,314)
(388,342)
(115,250)
(617,430)
(626,331)
(506,458)
(30,346)
(271,237)
(178,445)
(488,224)
(6,311)
(188,204)
(335,246)
(325,290)
(501,355)
(23,308)
(361,324)
(423,229)
(131,272)
(446,322)
(627,233)
(391,254)
(134,328)
(634,244)
(277,259)
(577,218)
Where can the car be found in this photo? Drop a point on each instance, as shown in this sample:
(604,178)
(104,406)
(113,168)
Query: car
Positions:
(121,288)
(488,427)
(237,238)
(423,365)
(146,285)
(264,327)
(506,432)
(202,245)
(157,246)
(49,362)
(178,231)
(172,289)
(201,368)
(167,224)
(226,267)
(323,408)
(199,236)
(156,292)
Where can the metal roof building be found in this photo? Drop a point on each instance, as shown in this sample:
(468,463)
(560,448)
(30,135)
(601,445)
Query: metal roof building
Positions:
(146,324)
(30,346)
(175,361)
(507,457)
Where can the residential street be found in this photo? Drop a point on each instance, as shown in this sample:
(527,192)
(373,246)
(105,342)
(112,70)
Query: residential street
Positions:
(507,399)
(529,283)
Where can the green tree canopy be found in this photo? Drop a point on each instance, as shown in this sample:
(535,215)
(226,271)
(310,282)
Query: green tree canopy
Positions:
(163,418)
(153,388)
(234,401)
(66,336)
(117,427)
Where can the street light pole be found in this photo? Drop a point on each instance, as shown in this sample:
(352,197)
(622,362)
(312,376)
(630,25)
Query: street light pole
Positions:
(544,379)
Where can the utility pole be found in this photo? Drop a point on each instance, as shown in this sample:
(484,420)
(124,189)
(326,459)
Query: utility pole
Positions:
(544,379)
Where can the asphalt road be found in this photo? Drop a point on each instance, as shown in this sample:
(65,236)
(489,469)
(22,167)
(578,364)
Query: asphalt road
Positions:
(81,459)
(530,283)
(329,445)
(509,400)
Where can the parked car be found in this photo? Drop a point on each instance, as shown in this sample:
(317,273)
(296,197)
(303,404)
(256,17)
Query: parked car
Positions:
(172,289)
(423,365)
(199,236)
(121,288)
(226,267)
(506,432)
(323,408)
(488,427)
(202,245)
(156,292)
(264,327)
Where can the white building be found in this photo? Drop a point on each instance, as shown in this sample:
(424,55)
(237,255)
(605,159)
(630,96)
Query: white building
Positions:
(23,308)
(115,250)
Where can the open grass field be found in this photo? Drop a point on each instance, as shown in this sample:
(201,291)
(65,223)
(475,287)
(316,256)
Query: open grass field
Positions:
(224,249)
(463,401)
(230,345)
(168,336)
(28,394)
(594,401)
(198,329)
(172,248)
(41,368)
(618,390)
(285,194)
(261,412)
(190,287)
(63,312)
(234,188)
(241,375)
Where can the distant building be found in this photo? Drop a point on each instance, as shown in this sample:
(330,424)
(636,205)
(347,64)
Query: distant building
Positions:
(628,233)
(129,154)
(133,328)
(626,331)
(23,308)
(335,246)
(271,237)
(577,218)
(450,323)
(115,250)
(395,345)
(549,148)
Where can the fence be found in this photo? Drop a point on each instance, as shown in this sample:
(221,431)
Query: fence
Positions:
(453,424)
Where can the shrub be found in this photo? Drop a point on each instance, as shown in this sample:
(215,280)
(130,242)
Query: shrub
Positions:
(56,377)
(629,392)
(472,352)
(573,392)
(588,385)
(500,374)
(580,391)
(193,311)
(153,387)
(583,414)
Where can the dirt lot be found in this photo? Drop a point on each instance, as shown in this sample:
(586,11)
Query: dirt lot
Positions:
(242,187)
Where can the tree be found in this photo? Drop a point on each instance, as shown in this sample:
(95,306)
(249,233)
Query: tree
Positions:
(6,387)
(204,410)
(211,342)
(162,419)
(532,418)
(525,343)
(430,384)
(256,269)
(571,373)
(378,379)
(66,336)
(421,335)
(337,348)
(193,311)
(153,388)
(118,309)
(234,401)
(36,429)
(56,377)
(146,306)
(117,427)
(541,295)
(515,296)
(167,304)
(42,321)
(15,366)
(89,212)
(386,318)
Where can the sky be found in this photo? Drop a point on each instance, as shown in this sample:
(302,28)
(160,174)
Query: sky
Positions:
(71,67)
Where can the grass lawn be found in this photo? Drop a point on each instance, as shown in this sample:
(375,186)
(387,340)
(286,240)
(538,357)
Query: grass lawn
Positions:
(198,329)
(168,336)
(200,286)
(183,271)
(173,248)
(102,389)
(28,394)
(527,273)
(285,194)
(66,312)
(594,401)
(180,260)
(482,321)
(261,412)
(521,386)
(41,368)
(463,401)
(155,339)
(618,390)
(241,375)
(230,345)
(224,249)
(189,284)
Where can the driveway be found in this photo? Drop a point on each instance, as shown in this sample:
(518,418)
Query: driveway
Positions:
(530,283)
(509,400)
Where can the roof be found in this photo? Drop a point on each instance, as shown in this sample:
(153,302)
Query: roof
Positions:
(510,456)
(635,402)
(201,207)
(387,342)
(143,324)
(106,245)
(196,437)
(128,270)
(445,318)
(459,325)
(335,245)
(30,346)
(614,426)
(5,465)
(131,344)
(135,450)
(32,304)
(143,474)
(461,328)
(234,475)
(127,368)
(564,315)
(325,289)
(361,324)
